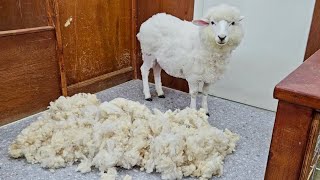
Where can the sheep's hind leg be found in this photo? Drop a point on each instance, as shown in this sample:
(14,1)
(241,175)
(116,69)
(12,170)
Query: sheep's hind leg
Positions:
(193,91)
(148,62)
(205,90)
(157,80)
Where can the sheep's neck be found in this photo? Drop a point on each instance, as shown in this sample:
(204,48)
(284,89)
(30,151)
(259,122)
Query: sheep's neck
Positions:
(217,54)
(218,58)
(210,67)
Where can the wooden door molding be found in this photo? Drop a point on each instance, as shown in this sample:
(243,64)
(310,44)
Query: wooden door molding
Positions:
(134,30)
(54,20)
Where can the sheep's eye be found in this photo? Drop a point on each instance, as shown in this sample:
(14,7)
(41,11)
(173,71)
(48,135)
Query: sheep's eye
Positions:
(233,23)
(212,23)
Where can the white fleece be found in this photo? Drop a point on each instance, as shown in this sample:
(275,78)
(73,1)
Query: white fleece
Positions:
(187,51)
(124,133)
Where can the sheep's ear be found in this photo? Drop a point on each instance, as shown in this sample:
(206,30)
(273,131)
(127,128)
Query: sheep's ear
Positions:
(241,18)
(200,22)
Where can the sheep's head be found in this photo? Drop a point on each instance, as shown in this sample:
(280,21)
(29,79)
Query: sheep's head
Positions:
(221,27)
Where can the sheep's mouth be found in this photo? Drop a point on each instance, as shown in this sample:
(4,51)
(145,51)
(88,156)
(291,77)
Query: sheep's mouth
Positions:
(221,43)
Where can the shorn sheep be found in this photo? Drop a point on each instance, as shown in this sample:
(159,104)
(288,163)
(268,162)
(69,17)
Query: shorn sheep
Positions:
(197,51)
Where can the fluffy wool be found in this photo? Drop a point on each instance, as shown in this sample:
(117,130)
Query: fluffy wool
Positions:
(124,133)
(187,51)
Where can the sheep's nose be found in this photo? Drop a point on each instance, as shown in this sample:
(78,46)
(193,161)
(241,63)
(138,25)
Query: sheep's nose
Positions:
(222,37)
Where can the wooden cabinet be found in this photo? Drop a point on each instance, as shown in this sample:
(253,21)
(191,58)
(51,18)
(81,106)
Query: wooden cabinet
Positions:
(297,122)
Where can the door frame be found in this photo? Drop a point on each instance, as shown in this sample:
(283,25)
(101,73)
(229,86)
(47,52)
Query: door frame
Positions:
(313,43)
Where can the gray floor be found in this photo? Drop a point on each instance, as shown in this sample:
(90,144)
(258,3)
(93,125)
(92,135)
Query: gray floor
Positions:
(248,162)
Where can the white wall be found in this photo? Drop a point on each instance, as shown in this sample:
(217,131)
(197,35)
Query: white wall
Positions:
(276,33)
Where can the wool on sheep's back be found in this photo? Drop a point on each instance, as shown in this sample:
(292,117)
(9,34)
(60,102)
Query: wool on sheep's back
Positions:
(124,133)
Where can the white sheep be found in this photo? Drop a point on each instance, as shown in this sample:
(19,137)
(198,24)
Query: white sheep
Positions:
(198,53)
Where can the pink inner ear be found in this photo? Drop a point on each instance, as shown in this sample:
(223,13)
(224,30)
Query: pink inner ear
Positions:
(200,22)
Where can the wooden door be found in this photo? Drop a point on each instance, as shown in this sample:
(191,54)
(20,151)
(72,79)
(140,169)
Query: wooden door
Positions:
(60,47)
(29,70)
(97,43)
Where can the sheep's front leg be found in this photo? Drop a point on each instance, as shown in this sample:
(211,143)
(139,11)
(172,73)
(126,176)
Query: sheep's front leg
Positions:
(205,90)
(193,91)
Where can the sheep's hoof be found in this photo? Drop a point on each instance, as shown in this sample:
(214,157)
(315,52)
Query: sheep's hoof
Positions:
(208,114)
(161,96)
(148,99)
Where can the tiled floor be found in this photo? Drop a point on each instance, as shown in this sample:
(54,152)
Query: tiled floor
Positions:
(247,163)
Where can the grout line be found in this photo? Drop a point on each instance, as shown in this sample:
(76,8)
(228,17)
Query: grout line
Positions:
(243,103)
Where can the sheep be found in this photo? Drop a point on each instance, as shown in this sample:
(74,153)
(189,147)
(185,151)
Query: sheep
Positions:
(198,53)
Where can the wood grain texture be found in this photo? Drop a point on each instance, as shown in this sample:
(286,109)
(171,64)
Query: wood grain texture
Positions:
(52,7)
(25,31)
(29,74)
(289,141)
(302,86)
(312,142)
(102,82)
(134,29)
(98,40)
(313,44)
(182,9)
(21,14)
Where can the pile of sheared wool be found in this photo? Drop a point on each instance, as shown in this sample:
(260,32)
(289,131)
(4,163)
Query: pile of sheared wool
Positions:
(124,133)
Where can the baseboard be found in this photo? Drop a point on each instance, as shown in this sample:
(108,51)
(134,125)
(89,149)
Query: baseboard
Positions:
(101,82)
